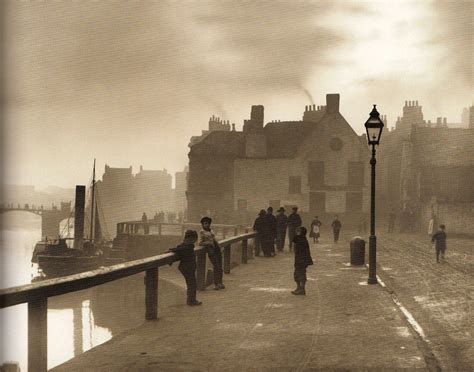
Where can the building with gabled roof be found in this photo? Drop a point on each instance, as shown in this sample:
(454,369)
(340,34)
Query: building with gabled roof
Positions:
(318,163)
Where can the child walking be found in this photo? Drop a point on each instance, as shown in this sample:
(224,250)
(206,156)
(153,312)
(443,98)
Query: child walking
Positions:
(439,238)
(187,264)
(302,260)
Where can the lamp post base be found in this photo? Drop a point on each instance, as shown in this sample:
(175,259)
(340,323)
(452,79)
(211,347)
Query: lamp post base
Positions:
(372,260)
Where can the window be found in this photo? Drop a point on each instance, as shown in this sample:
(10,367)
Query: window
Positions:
(294,185)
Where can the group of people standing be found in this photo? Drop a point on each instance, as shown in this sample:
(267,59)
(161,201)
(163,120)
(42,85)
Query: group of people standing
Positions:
(271,229)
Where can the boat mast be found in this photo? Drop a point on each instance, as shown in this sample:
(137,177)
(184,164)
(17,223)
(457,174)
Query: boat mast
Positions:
(92,203)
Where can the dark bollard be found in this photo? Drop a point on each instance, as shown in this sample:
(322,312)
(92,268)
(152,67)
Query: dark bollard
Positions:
(151,294)
(38,334)
(357,247)
(201,270)
(227,259)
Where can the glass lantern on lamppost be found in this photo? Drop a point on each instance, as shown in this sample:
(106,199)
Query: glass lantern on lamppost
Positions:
(374,127)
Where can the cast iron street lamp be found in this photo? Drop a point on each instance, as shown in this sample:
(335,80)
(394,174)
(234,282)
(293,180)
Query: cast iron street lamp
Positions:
(374,127)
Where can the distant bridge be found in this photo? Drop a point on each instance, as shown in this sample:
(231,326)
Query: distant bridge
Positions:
(50,218)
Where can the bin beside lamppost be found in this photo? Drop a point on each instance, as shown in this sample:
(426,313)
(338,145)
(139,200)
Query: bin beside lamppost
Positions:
(374,127)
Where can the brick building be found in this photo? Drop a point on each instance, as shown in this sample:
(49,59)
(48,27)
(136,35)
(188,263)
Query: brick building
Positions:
(429,168)
(318,163)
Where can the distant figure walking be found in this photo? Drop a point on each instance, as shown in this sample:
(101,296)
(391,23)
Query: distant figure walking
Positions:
(146,228)
(439,238)
(187,265)
(294,221)
(302,260)
(207,239)
(315,229)
(273,229)
(432,225)
(391,220)
(336,228)
(281,224)
(264,233)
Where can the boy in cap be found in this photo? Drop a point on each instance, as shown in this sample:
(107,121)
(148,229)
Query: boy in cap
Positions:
(294,221)
(302,260)
(207,239)
(187,264)
(439,238)
(281,224)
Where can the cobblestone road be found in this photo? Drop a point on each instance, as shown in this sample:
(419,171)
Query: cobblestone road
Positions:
(440,296)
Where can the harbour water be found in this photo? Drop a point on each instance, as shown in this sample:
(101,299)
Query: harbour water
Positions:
(77,321)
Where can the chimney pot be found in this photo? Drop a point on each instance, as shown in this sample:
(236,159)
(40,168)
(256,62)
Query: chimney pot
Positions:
(416,103)
(314,107)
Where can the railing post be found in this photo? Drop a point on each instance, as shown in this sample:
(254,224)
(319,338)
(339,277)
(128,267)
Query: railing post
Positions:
(118,228)
(245,246)
(151,294)
(227,259)
(201,270)
(183,229)
(224,231)
(38,334)
(159,229)
(236,231)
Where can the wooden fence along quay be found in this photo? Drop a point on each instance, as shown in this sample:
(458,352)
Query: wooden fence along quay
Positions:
(36,294)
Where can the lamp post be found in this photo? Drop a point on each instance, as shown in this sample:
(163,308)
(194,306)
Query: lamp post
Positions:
(374,127)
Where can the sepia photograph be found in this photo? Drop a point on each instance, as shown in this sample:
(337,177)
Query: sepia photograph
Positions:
(237,185)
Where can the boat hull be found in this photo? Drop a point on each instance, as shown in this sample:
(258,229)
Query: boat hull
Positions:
(54,266)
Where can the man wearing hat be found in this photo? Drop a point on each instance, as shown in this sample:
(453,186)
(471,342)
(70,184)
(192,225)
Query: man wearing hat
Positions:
(207,239)
(187,264)
(273,229)
(281,224)
(265,235)
(294,221)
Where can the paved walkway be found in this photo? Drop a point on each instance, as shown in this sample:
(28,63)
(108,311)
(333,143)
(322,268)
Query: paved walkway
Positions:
(257,324)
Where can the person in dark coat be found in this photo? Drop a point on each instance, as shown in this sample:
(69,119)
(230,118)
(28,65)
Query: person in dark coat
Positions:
(146,227)
(315,232)
(336,228)
(273,228)
(207,239)
(302,260)
(281,224)
(294,221)
(439,238)
(265,233)
(187,265)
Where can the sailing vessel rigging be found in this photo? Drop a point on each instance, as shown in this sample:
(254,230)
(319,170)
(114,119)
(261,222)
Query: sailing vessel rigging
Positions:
(55,258)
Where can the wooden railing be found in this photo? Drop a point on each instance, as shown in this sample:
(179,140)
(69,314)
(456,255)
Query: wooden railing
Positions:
(155,227)
(36,294)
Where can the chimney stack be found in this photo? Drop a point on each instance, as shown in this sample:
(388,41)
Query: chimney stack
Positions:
(332,103)
(79,216)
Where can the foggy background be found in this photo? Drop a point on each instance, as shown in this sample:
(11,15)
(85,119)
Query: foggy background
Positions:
(130,82)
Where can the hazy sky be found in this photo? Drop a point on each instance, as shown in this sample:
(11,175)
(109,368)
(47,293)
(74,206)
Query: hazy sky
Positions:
(129,82)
